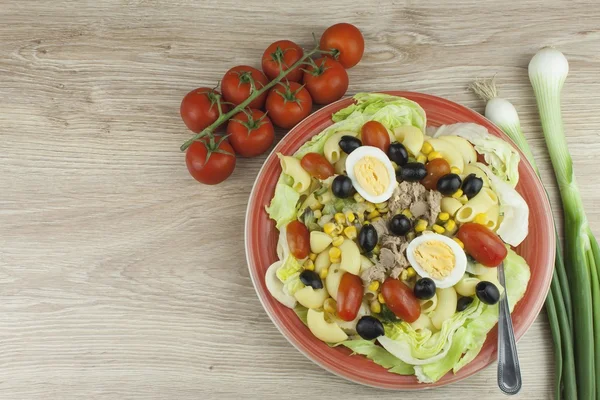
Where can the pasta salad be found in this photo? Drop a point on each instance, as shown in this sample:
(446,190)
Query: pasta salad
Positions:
(391,232)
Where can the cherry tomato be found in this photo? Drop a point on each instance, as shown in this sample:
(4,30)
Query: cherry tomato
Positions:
(251,133)
(400,298)
(282,53)
(239,82)
(435,170)
(317,166)
(326,80)
(298,239)
(288,104)
(349,297)
(482,244)
(346,41)
(200,108)
(210,161)
(374,134)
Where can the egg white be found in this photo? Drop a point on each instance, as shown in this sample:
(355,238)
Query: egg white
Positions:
(460,258)
(370,151)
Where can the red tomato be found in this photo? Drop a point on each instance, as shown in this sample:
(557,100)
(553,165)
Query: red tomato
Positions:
(317,166)
(346,41)
(210,161)
(298,239)
(282,53)
(239,82)
(349,297)
(200,108)
(251,133)
(400,298)
(482,244)
(326,80)
(435,170)
(288,104)
(374,134)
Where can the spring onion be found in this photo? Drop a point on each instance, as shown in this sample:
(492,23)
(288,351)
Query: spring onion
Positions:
(548,70)
(558,303)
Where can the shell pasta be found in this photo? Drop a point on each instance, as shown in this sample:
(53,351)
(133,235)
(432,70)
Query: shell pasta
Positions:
(291,167)
(331,149)
(479,204)
(446,306)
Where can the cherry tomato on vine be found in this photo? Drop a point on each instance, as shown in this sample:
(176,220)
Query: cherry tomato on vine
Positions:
(251,133)
(326,80)
(435,170)
(282,53)
(346,41)
(349,296)
(240,82)
(210,160)
(288,104)
(374,134)
(400,298)
(298,239)
(317,166)
(200,108)
(482,244)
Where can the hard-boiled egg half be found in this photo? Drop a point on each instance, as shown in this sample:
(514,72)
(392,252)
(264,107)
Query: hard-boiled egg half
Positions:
(437,257)
(372,173)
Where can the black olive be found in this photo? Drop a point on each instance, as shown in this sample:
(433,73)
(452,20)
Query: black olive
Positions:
(472,185)
(367,238)
(463,303)
(342,186)
(448,184)
(487,292)
(369,328)
(349,143)
(398,154)
(424,289)
(400,225)
(311,278)
(412,172)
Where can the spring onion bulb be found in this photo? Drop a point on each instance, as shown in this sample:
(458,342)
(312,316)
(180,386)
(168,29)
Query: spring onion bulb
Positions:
(558,303)
(548,70)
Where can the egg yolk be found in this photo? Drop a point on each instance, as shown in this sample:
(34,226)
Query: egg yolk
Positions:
(372,175)
(436,258)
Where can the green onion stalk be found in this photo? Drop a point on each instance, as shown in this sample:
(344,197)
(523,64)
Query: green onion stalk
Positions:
(558,302)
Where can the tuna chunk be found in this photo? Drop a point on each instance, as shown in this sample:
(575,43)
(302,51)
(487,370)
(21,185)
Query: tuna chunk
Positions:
(375,273)
(434,200)
(381,227)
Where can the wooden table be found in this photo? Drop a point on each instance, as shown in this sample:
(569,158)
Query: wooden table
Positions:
(123,278)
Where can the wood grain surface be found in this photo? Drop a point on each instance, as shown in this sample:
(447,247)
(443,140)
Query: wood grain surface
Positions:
(123,278)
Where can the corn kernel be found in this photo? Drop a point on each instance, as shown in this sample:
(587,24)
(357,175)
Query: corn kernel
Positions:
(438,229)
(406,212)
(460,243)
(334,252)
(422,159)
(312,256)
(404,275)
(323,273)
(375,307)
(358,198)
(370,207)
(337,241)
(421,225)
(329,228)
(463,199)
(335,260)
(480,218)
(376,219)
(410,236)
(376,249)
(426,149)
(457,194)
(330,306)
(373,214)
(450,225)
(309,265)
(381,205)
(317,213)
(350,232)
(373,286)
(411,272)
(433,155)
(380,298)
(350,216)
(443,216)
(455,170)
(384,210)
(340,218)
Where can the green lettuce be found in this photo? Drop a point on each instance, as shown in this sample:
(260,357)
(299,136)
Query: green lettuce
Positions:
(379,356)
(289,267)
(283,204)
(302,313)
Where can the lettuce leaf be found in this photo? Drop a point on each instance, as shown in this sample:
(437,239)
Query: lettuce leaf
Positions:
(302,313)
(283,204)
(289,267)
(379,356)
